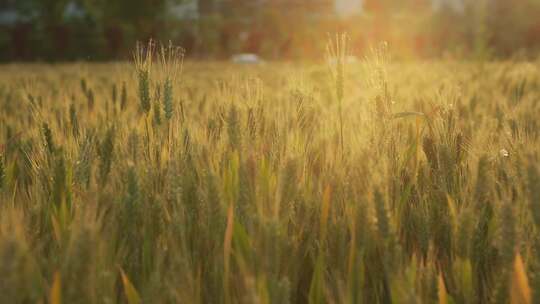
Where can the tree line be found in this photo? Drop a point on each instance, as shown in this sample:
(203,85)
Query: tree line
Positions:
(60,30)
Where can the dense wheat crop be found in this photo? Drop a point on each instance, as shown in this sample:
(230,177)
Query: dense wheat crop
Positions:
(280,183)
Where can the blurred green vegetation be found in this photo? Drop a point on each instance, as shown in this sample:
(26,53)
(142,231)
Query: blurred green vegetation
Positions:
(59,30)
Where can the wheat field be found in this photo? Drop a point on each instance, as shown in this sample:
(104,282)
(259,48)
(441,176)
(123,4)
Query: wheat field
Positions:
(376,181)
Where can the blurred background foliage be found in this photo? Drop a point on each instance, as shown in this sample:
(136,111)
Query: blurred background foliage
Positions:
(64,30)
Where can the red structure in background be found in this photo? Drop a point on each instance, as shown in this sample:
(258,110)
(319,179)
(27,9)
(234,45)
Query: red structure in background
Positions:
(20,41)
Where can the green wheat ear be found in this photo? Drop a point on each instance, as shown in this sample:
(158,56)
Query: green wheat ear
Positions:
(90,99)
(60,180)
(105,152)
(157,106)
(133,145)
(83,168)
(123,97)
(168,99)
(84,86)
(73,120)
(143,63)
(48,138)
(172,59)
(233,127)
(132,189)
(144,90)
(157,114)
(483,181)
(114,93)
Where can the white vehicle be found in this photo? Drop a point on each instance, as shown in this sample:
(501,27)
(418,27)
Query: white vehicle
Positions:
(246,58)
